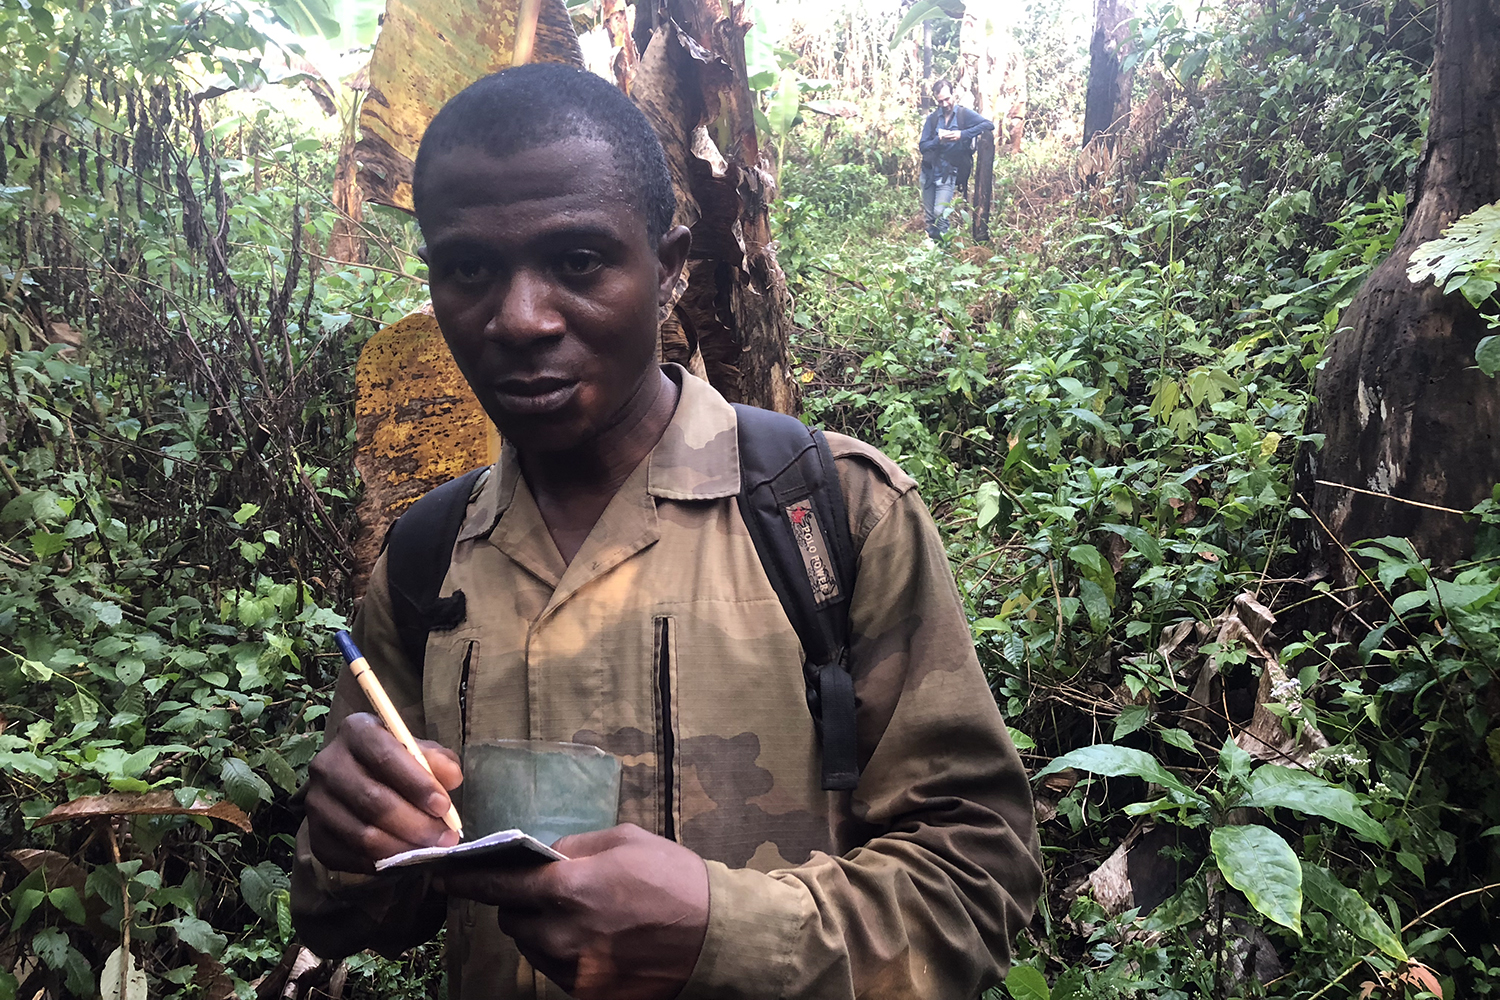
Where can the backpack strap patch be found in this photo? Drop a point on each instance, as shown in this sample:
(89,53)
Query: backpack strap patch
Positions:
(793,506)
(418,550)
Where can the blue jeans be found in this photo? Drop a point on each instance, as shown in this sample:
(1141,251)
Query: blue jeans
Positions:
(936,194)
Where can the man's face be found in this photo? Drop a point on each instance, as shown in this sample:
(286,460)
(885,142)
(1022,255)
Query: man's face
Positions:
(546,287)
(944,98)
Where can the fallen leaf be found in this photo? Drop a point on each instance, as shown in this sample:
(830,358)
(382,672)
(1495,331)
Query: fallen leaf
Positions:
(143,804)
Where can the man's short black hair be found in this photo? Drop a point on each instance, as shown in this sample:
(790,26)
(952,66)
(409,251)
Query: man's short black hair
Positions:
(942,84)
(525,107)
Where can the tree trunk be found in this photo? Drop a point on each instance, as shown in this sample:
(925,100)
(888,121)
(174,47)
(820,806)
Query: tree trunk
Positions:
(1106,106)
(734,316)
(347,242)
(984,185)
(1401,406)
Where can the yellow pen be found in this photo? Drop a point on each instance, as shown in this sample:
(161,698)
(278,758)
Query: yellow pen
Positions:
(388,714)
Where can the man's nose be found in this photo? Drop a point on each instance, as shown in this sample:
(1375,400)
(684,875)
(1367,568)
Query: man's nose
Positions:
(526,310)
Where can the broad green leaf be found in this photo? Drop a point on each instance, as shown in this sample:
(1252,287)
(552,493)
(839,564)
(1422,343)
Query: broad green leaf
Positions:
(65,899)
(1257,862)
(35,670)
(280,771)
(47,544)
(1087,557)
(199,935)
(1462,595)
(281,899)
(1349,908)
(783,110)
(1143,542)
(1096,603)
(1112,761)
(1471,240)
(129,669)
(108,613)
(51,946)
(1274,786)
(1130,719)
(1407,603)
(1189,904)
(308,17)
(926,10)
(1487,354)
(1179,738)
(24,902)
(987,499)
(258,883)
(1025,983)
(1234,761)
(243,786)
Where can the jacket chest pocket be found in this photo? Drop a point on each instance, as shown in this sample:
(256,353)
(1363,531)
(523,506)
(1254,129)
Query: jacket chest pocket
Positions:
(668,781)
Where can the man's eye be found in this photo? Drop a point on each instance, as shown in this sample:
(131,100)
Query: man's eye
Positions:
(471,271)
(580,262)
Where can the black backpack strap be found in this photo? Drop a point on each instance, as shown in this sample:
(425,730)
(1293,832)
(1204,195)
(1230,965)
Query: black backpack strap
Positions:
(418,548)
(792,503)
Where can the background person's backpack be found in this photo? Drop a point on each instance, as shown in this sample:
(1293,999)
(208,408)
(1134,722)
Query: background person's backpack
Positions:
(791,502)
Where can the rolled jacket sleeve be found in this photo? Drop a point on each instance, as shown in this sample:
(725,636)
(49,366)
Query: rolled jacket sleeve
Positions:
(340,913)
(977,124)
(948,870)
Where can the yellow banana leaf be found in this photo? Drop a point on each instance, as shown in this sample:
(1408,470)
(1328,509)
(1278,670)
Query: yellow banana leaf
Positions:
(429,51)
(417,425)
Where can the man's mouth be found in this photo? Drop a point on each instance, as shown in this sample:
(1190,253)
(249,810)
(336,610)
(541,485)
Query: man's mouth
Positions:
(534,396)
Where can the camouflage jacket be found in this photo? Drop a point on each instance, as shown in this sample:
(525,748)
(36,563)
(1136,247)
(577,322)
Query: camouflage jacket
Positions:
(664,643)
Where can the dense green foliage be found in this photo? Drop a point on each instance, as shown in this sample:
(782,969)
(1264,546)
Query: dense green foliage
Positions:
(1106,428)
(1103,416)
(178,488)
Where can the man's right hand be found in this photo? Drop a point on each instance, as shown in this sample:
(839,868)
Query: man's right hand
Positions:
(367,798)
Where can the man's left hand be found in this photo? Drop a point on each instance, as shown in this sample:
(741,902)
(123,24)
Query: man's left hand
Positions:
(624,917)
(949,134)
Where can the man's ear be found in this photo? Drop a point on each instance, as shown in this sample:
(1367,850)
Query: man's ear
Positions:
(671,256)
(422,255)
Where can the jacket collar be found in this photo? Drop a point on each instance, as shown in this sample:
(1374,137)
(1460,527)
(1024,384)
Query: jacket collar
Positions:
(697,458)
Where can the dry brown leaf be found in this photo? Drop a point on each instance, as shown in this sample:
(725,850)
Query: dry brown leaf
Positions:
(212,980)
(1421,977)
(1110,882)
(143,804)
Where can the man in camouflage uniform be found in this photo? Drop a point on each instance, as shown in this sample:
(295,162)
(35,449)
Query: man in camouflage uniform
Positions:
(614,597)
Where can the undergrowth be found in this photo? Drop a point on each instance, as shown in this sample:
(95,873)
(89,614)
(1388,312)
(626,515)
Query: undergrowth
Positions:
(1103,413)
(1102,408)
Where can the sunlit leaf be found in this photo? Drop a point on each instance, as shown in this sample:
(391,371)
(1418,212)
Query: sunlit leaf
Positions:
(1025,983)
(1349,908)
(926,10)
(1274,786)
(1257,862)
(1113,761)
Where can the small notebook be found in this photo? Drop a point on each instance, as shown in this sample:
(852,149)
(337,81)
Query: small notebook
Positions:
(507,847)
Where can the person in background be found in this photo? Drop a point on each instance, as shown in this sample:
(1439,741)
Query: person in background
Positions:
(947,148)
